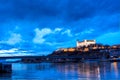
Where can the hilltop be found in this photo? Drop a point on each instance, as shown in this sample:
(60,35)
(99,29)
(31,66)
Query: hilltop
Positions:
(89,49)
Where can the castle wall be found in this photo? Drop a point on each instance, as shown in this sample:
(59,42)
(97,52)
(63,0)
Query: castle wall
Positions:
(85,43)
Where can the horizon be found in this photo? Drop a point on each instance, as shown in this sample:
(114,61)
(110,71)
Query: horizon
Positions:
(46,25)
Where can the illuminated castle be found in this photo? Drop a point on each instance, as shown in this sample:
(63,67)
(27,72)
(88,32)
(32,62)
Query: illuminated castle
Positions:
(85,43)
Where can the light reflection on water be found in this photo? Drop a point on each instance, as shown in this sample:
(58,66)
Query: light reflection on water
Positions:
(65,71)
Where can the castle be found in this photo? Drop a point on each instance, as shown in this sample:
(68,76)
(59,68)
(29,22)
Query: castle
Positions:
(79,44)
(85,43)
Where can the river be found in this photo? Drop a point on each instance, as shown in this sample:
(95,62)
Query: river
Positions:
(64,71)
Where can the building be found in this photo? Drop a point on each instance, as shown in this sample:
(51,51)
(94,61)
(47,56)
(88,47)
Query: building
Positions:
(71,49)
(85,43)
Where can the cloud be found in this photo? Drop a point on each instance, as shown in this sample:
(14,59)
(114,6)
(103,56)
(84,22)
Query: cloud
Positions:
(77,19)
(96,26)
(51,37)
(67,10)
(89,31)
(68,32)
(85,32)
(39,35)
(58,29)
(14,38)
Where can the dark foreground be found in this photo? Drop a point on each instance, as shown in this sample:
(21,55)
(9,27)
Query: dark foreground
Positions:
(64,71)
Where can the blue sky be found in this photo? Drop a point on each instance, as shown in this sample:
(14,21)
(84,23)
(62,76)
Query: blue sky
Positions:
(45,25)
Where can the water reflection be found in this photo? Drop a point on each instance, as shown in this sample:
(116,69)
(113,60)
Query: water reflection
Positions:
(79,70)
(115,69)
(5,76)
(65,71)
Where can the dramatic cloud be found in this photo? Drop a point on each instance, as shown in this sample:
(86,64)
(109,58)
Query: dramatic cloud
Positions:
(46,25)
(40,34)
(58,29)
(14,38)
(69,10)
(49,36)
(68,32)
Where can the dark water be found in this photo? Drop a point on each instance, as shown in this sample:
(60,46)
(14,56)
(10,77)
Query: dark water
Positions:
(64,71)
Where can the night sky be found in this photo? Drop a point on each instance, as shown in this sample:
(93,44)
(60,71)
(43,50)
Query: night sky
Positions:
(45,25)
